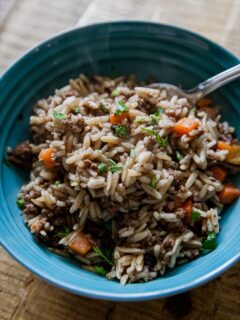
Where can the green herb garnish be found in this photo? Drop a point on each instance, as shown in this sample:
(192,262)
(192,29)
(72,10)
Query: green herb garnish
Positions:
(132,153)
(140,120)
(121,107)
(57,183)
(76,110)
(100,270)
(58,115)
(63,234)
(155,118)
(20,203)
(102,167)
(162,142)
(104,108)
(196,216)
(105,254)
(210,243)
(115,93)
(153,182)
(179,155)
(121,131)
(193,110)
(114,167)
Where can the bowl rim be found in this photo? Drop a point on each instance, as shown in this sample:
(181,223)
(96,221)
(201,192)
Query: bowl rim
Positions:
(103,294)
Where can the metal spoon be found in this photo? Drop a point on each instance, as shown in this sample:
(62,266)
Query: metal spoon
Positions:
(204,88)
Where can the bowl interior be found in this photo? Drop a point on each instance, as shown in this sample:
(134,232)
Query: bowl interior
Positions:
(167,53)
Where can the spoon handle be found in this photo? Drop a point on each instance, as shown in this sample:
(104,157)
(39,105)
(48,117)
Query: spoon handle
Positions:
(216,81)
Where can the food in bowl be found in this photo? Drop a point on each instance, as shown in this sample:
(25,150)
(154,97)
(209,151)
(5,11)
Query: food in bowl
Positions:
(126,178)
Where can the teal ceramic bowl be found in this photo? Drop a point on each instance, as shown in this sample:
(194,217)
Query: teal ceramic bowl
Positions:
(168,53)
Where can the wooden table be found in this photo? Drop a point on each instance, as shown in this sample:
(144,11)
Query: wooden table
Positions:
(24,296)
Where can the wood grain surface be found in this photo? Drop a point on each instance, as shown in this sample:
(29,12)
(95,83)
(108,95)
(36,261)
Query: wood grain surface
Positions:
(24,296)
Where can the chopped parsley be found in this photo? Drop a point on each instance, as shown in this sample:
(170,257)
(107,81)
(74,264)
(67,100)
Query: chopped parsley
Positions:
(102,167)
(104,108)
(58,115)
(179,155)
(193,110)
(121,131)
(115,93)
(162,142)
(210,243)
(57,183)
(63,234)
(140,120)
(100,270)
(120,108)
(153,182)
(20,203)
(114,167)
(132,153)
(154,118)
(196,216)
(105,254)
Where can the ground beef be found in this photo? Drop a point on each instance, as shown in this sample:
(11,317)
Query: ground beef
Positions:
(30,209)
(21,155)
(150,142)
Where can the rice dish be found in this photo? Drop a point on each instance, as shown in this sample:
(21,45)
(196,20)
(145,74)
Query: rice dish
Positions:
(125,178)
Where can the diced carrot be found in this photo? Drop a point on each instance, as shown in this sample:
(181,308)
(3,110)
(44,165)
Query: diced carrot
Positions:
(222,145)
(228,194)
(119,119)
(205,102)
(79,243)
(185,125)
(212,112)
(233,156)
(187,207)
(46,155)
(219,173)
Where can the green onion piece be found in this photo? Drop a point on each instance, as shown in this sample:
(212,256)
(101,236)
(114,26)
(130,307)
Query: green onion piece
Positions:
(179,155)
(58,115)
(132,153)
(102,167)
(100,270)
(210,243)
(76,110)
(105,254)
(120,108)
(115,93)
(196,216)
(20,203)
(121,131)
(104,108)
(153,182)
(57,183)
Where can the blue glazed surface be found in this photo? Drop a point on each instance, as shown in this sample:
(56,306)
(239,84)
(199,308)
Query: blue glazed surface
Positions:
(171,55)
